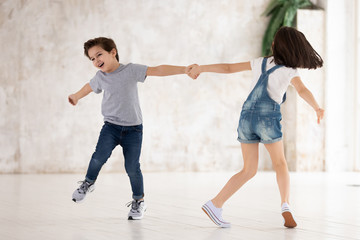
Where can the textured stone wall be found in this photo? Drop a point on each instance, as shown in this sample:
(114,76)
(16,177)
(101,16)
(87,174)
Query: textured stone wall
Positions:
(188,125)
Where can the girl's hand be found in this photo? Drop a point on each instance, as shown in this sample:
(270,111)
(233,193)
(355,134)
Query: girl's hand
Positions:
(320,114)
(193,71)
(72,99)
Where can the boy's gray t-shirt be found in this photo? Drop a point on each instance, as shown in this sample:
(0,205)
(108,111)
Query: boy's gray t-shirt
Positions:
(120,104)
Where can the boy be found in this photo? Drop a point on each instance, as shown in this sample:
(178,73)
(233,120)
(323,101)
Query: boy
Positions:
(122,115)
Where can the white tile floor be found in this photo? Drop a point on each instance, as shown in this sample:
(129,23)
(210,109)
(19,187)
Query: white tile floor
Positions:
(326,206)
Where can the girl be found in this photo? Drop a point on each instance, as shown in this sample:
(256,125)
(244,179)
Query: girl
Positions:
(260,116)
(122,115)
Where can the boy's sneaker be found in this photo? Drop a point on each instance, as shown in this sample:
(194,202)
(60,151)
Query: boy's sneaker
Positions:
(80,193)
(215,214)
(137,209)
(289,220)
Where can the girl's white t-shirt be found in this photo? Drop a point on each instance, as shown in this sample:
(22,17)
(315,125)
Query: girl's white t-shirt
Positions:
(279,80)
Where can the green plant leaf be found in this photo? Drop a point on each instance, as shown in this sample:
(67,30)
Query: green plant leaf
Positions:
(282,13)
(290,17)
(274,4)
(274,24)
(304,4)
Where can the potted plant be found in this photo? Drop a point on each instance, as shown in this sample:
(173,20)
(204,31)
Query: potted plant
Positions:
(283,13)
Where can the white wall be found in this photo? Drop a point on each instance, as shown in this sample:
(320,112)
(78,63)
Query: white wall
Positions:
(340,85)
(188,125)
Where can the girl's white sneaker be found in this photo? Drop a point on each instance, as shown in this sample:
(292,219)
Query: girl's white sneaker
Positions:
(289,220)
(215,214)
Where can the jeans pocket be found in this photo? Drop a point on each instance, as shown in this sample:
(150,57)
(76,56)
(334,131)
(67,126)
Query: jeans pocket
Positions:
(137,128)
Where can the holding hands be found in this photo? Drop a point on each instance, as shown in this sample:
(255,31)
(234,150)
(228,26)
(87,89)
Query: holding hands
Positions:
(193,71)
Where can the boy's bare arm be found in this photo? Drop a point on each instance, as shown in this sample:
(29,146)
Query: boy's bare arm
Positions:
(165,70)
(85,90)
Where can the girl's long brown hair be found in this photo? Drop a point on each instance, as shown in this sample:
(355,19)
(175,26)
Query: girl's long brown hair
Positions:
(291,49)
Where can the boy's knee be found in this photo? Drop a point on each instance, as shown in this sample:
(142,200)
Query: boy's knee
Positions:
(134,174)
(101,156)
(98,161)
(133,170)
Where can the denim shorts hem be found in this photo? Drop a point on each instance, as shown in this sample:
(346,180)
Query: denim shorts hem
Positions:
(271,141)
(260,141)
(248,141)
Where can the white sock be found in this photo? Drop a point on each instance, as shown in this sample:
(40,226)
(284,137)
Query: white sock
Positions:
(285,207)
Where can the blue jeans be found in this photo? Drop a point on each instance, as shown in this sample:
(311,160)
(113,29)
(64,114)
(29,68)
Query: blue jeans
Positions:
(130,139)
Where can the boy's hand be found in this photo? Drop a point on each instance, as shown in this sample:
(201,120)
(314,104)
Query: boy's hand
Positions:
(193,71)
(72,99)
(320,114)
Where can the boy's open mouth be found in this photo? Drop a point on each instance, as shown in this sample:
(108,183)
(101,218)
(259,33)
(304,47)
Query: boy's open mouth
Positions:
(102,64)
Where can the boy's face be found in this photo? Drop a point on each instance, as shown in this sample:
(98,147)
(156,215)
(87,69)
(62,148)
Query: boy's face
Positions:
(103,60)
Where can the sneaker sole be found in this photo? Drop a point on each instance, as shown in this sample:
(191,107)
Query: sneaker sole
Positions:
(136,218)
(289,220)
(213,218)
(80,201)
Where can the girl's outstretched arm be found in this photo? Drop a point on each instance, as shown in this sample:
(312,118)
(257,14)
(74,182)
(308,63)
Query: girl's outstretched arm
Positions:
(165,70)
(195,69)
(85,90)
(305,94)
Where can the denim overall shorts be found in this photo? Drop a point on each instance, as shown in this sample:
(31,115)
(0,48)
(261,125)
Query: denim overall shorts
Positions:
(260,116)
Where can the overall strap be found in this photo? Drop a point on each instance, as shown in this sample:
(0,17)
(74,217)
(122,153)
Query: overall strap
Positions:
(266,73)
(284,98)
(263,67)
(273,68)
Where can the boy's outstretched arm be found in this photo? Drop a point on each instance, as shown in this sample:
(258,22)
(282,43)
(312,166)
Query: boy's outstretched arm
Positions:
(165,70)
(85,90)
(305,94)
(195,69)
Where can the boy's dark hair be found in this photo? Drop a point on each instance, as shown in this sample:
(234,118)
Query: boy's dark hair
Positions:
(291,49)
(105,43)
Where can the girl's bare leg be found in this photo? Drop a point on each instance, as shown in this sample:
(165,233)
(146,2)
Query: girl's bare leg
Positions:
(250,154)
(276,151)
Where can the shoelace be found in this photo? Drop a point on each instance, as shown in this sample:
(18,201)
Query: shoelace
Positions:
(135,205)
(84,186)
